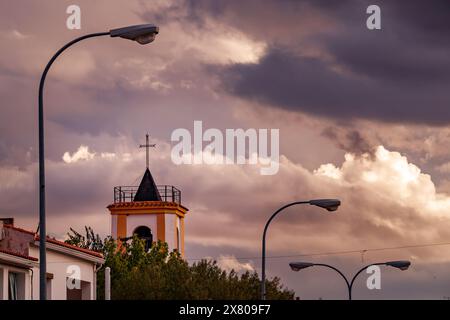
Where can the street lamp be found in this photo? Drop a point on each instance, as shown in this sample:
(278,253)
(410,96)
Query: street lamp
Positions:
(328,204)
(142,34)
(401,264)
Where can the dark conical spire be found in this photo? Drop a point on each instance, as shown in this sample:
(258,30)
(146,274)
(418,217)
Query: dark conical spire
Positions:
(147,190)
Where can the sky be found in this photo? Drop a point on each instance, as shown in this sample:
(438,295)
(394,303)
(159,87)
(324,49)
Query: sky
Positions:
(362,116)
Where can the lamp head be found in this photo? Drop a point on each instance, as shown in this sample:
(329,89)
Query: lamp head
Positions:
(142,33)
(297,266)
(402,265)
(328,204)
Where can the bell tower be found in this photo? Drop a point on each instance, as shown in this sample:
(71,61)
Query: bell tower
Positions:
(152,212)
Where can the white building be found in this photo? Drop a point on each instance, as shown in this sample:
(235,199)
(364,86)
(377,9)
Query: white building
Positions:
(19,267)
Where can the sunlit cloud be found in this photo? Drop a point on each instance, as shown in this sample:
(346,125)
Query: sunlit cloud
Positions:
(389,173)
(229,262)
(81,154)
(223,45)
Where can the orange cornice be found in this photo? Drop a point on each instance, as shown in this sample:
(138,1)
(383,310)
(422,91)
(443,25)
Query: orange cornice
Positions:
(147,207)
(148,204)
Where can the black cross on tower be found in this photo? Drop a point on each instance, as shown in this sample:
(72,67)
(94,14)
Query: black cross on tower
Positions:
(147,146)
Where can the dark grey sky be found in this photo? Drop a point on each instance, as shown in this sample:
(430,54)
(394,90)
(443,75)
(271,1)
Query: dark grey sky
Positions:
(398,74)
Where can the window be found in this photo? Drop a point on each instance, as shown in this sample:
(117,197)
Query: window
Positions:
(16,286)
(12,286)
(2,294)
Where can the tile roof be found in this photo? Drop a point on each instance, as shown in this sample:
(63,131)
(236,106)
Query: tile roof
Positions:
(57,242)
(19,229)
(63,244)
(17,254)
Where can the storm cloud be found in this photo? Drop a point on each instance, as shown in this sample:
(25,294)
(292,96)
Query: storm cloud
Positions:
(398,74)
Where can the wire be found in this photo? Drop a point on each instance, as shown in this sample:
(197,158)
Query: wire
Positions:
(136,180)
(329,253)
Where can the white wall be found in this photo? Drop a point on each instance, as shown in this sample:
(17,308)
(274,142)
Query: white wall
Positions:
(58,264)
(134,221)
(170,230)
(113,225)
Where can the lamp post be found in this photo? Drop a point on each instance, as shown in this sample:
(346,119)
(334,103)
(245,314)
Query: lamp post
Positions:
(142,34)
(328,204)
(401,264)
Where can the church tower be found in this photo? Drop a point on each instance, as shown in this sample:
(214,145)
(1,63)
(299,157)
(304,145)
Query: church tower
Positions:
(152,212)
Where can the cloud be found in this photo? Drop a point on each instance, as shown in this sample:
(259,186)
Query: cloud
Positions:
(229,262)
(309,68)
(15,34)
(345,96)
(108,155)
(321,59)
(390,173)
(386,201)
(81,154)
(348,139)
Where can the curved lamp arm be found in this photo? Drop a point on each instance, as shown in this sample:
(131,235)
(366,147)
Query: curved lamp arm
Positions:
(357,274)
(143,34)
(42,227)
(328,204)
(340,273)
(263,255)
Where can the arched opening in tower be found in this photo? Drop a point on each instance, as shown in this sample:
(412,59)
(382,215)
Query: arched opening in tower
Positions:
(145,234)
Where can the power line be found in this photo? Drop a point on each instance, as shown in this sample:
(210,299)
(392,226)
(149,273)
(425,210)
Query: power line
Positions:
(329,253)
(135,180)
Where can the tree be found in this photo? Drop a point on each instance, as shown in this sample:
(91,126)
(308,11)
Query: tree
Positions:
(160,274)
(91,241)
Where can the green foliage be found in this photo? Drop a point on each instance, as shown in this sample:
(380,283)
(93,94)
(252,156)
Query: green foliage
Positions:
(160,274)
(91,241)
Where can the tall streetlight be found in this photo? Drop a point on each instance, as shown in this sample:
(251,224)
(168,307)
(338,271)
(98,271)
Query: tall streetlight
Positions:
(401,264)
(143,34)
(328,204)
